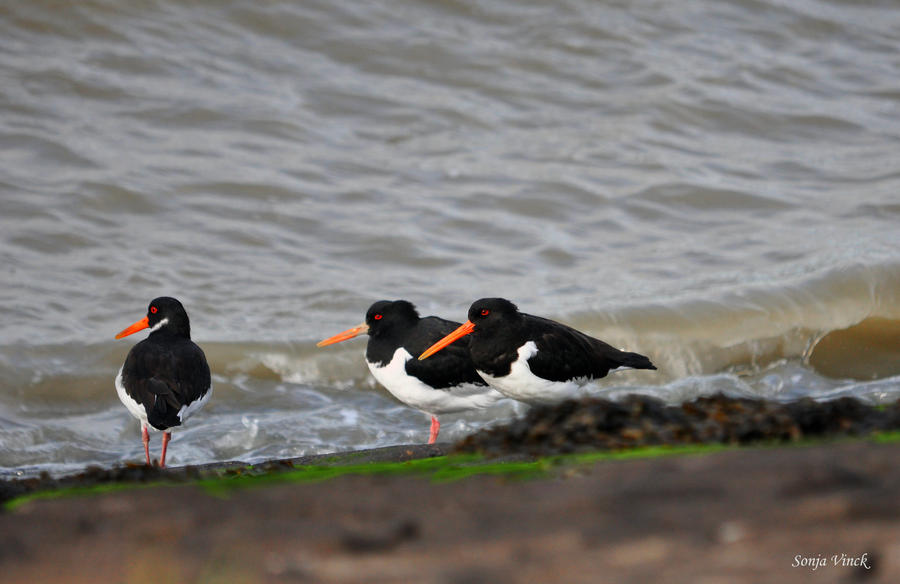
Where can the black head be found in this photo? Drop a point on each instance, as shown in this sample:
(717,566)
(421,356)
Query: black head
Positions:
(167,312)
(165,315)
(487,318)
(383,318)
(490,313)
(385,315)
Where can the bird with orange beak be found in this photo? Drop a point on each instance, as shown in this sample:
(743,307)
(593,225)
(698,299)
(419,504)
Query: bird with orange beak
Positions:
(445,385)
(533,359)
(165,377)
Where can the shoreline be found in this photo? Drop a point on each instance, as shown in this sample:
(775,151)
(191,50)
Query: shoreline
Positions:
(741,512)
(136,474)
(587,426)
(649,498)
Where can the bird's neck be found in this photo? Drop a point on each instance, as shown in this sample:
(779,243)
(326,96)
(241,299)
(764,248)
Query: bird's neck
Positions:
(176,330)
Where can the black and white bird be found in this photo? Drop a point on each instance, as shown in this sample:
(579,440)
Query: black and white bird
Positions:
(445,385)
(165,377)
(533,359)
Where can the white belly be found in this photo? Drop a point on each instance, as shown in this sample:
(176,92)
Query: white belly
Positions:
(523,385)
(411,391)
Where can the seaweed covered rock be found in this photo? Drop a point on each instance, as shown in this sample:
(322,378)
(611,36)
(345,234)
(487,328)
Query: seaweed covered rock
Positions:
(599,424)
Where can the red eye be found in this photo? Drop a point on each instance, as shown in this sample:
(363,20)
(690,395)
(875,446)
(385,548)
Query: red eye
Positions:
(152,310)
(377,317)
(485,312)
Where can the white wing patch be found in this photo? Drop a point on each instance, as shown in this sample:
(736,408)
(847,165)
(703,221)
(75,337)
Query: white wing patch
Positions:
(188,410)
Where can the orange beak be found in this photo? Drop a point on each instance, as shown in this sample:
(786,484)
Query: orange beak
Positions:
(462,331)
(138,326)
(344,336)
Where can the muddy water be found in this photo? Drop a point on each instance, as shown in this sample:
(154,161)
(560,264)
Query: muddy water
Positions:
(714,184)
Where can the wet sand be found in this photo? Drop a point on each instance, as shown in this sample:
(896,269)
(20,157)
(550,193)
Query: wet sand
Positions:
(755,514)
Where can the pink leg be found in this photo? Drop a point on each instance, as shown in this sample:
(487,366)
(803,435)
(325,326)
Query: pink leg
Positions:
(435,428)
(162,457)
(145,436)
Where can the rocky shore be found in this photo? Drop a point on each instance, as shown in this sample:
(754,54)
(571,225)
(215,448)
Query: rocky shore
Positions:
(598,424)
(824,512)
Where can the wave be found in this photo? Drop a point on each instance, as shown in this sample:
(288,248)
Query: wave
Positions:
(844,325)
(829,337)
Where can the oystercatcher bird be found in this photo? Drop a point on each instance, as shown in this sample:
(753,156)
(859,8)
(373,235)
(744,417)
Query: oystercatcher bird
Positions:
(533,359)
(165,377)
(396,333)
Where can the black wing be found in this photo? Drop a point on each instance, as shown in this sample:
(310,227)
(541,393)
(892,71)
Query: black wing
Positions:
(164,378)
(448,367)
(565,353)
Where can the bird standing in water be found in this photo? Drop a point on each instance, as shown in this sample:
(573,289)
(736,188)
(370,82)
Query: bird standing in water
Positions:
(396,333)
(165,377)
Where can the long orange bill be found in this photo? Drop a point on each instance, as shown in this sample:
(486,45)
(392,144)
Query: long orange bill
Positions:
(344,336)
(138,326)
(462,331)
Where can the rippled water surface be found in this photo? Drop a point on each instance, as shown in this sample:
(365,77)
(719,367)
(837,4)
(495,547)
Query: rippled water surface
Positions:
(714,183)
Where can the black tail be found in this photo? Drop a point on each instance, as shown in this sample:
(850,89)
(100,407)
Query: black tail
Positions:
(161,405)
(635,361)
